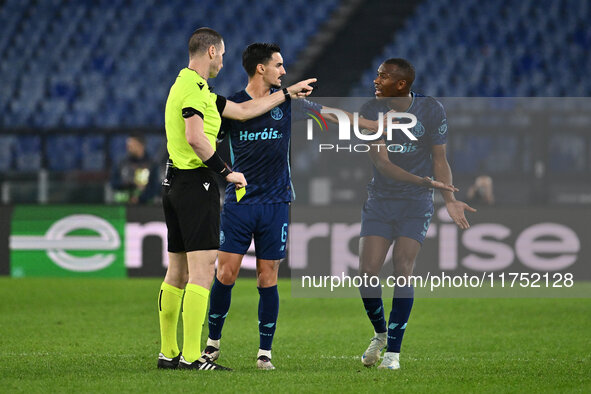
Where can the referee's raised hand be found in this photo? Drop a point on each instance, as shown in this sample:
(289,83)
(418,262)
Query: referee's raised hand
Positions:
(236,178)
(302,88)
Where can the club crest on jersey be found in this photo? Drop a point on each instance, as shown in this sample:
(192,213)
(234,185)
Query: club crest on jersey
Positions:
(418,130)
(277,113)
(443,127)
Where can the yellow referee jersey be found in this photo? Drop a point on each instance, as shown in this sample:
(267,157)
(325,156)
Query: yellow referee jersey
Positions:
(190,90)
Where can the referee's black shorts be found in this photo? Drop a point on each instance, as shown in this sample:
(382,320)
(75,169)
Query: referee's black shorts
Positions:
(192,211)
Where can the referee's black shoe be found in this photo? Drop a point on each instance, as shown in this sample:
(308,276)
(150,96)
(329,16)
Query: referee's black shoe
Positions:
(201,364)
(168,363)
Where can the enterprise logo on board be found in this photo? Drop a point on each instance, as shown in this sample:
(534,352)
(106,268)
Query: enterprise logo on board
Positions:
(58,243)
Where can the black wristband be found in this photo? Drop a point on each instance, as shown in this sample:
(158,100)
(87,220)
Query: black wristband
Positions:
(287,95)
(217,165)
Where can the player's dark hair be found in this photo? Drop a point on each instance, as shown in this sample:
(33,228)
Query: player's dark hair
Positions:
(257,53)
(202,39)
(407,71)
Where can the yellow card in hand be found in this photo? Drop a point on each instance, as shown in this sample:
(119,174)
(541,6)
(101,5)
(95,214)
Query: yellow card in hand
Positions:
(240,193)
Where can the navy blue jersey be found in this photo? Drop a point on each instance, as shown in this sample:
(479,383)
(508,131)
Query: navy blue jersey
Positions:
(412,156)
(259,148)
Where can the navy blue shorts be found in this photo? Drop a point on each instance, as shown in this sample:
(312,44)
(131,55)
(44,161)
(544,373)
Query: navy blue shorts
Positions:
(267,223)
(396,218)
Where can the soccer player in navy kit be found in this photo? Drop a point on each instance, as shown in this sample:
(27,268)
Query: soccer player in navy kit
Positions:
(260,150)
(400,202)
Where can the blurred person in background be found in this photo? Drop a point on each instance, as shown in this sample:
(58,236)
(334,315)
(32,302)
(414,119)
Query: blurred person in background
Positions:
(481,192)
(135,179)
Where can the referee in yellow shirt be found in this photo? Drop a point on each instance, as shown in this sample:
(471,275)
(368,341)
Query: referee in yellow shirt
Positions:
(191,198)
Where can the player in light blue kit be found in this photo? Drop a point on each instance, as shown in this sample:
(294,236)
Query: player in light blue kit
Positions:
(260,150)
(400,202)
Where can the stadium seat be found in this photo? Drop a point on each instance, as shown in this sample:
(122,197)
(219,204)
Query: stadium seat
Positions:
(523,56)
(110,63)
(540,49)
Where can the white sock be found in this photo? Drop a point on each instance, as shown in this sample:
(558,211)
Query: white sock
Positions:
(392,354)
(381,335)
(213,342)
(264,353)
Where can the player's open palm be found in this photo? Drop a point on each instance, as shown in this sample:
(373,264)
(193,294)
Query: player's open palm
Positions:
(456,212)
(236,178)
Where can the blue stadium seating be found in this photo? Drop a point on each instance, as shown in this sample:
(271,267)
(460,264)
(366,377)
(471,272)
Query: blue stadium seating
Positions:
(28,153)
(487,48)
(110,63)
(518,48)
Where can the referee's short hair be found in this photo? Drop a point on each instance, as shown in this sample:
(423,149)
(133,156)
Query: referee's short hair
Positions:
(407,71)
(257,53)
(202,39)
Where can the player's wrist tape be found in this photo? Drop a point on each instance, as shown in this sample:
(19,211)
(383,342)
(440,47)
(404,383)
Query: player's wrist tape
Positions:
(287,95)
(216,164)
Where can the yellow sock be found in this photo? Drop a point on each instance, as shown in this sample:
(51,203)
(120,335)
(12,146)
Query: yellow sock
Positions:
(194,309)
(169,307)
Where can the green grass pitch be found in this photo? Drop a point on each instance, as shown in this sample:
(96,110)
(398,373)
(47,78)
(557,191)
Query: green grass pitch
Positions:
(102,336)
